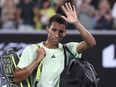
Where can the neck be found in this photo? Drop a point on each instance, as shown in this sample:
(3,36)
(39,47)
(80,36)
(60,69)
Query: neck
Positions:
(50,45)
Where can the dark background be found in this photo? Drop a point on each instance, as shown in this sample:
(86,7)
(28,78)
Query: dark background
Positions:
(93,55)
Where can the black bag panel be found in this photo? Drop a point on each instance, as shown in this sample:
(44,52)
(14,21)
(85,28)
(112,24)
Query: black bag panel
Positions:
(78,73)
(73,75)
(89,70)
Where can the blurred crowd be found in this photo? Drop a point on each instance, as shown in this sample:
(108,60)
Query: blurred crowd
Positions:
(34,14)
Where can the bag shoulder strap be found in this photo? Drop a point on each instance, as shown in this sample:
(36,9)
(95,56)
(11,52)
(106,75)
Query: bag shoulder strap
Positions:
(65,56)
(69,51)
(39,68)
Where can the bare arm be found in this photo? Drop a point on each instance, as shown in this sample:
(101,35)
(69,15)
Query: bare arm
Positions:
(18,14)
(89,40)
(21,74)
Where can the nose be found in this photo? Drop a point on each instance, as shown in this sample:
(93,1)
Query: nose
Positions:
(57,34)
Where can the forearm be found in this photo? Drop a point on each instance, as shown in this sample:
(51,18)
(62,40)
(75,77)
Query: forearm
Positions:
(18,15)
(87,37)
(22,74)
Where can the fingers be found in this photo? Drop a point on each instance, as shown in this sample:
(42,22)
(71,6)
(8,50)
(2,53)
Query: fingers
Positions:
(74,8)
(67,8)
(41,51)
(70,7)
(64,9)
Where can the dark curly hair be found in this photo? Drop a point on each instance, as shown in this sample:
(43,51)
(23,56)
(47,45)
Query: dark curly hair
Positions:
(57,18)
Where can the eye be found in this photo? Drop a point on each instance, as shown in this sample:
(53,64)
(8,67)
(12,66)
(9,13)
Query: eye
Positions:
(53,29)
(61,31)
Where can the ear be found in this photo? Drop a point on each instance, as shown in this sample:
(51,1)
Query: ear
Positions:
(64,34)
(47,29)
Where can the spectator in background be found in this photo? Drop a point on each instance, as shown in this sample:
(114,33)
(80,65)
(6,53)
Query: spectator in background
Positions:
(37,20)
(8,13)
(77,3)
(86,14)
(114,14)
(0,18)
(57,4)
(46,12)
(95,3)
(37,3)
(57,7)
(103,16)
(25,15)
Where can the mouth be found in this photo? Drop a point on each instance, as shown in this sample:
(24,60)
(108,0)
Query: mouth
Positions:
(56,40)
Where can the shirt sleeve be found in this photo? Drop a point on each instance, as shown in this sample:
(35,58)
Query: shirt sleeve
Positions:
(28,56)
(72,47)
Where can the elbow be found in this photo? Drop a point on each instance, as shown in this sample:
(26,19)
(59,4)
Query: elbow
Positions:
(93,43)
(19,77)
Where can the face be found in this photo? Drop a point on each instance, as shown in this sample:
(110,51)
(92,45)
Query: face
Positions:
(56,32)
(46,4)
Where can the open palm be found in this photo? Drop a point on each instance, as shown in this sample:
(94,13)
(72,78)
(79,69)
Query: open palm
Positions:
(70,12)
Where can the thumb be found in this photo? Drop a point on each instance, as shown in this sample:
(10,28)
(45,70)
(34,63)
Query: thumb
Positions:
(64,18)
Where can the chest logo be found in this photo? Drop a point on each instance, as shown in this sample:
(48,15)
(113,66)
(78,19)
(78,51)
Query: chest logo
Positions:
(53,56)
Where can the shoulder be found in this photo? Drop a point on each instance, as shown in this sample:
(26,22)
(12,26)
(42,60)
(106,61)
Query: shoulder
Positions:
(29,46)
(70,44)
(28,49)
(32,47)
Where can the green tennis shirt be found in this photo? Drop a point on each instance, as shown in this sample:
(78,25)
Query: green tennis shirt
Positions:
(53,63)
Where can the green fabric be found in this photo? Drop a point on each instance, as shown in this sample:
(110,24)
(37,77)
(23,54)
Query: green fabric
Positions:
(53,63)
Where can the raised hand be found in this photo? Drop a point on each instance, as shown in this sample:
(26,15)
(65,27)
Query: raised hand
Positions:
(70,12)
